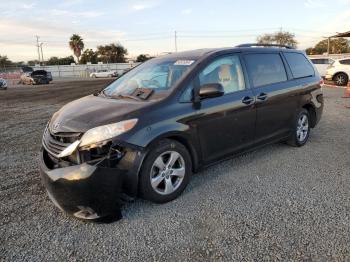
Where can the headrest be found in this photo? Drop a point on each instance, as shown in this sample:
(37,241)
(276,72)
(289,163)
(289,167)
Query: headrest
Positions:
(225,73)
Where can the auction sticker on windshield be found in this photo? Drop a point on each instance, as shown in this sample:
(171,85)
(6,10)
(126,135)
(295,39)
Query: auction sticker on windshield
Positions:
(184,62)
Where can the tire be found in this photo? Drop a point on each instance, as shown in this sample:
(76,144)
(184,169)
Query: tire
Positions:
(168,182)
(341,79)
(93,76)
(301,129)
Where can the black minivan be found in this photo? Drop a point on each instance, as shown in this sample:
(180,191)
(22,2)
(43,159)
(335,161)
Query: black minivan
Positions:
(149,130)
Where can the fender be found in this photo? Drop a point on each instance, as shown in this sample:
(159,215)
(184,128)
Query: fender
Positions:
(142,141)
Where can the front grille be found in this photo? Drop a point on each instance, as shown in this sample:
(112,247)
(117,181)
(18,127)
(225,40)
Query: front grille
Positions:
(55,144)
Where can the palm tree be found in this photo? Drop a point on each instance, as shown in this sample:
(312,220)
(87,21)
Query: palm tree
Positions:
(76,44)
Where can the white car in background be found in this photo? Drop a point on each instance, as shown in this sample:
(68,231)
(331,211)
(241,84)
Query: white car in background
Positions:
(339,71)
(321,64)
(104,73)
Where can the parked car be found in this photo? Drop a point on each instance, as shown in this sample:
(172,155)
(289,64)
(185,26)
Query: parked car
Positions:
(36,77)
(339,71)
(104,73)
(3,84)
(321,64)
(148,131)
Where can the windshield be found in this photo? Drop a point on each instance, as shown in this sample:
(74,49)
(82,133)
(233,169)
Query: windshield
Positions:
(154,78)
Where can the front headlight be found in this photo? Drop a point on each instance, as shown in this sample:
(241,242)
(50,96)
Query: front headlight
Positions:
(103,133)
(99,135)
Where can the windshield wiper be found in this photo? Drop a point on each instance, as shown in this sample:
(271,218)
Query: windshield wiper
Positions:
(101,92)
(127,96)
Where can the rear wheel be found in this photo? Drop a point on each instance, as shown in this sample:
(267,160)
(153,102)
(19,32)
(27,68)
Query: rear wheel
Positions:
(341,79)
(301,129)
(165,172)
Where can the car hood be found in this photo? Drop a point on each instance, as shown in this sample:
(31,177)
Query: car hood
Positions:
(92,111)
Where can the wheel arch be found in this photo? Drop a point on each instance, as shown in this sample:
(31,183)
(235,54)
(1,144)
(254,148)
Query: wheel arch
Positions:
(340,72)
(134,181)
(312,112)
(182,139)
(190,148)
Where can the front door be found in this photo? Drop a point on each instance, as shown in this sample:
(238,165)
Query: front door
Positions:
(226,124)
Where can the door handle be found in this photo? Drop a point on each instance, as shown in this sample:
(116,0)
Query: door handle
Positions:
(262,96)
(247,100)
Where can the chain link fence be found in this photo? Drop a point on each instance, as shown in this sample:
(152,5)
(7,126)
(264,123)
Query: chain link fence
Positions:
(13,73)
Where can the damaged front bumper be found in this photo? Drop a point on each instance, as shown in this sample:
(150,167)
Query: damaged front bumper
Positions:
(91,191)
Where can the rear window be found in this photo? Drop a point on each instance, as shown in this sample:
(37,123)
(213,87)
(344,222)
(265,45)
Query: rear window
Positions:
(299,65)
(264,69)
(345,62)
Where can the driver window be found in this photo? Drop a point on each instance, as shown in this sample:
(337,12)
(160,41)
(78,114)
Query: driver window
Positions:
(226,71)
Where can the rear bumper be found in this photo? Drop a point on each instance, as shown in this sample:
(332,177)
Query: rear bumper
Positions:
(318,102)
(86,191)
(319,112)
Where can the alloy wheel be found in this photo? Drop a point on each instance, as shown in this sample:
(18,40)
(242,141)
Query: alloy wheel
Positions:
(167,172)
(340,79)
(302,128)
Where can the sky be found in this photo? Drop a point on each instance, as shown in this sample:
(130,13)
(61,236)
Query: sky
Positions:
(149,26)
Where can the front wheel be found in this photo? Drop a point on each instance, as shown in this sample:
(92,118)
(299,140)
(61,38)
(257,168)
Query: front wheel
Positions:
(301,129)
(165,172)
(341,79)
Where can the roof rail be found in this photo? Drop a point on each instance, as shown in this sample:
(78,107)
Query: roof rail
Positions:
(265,45)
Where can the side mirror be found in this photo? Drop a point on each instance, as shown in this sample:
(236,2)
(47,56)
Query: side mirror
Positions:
(211,90)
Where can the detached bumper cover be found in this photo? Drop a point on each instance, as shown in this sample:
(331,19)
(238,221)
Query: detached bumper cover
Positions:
(85,191)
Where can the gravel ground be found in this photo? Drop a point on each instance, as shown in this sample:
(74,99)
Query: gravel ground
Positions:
(277,203)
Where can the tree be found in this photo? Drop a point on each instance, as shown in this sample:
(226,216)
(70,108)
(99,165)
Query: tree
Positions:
(4,61)
(88,56)
(310,51)
(336,46)
(33,62)
(143,57)
(54,60)
(280,38)
(76,44)
(112,53)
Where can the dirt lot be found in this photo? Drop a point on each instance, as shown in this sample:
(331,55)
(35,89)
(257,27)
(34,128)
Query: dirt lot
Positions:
(277,203)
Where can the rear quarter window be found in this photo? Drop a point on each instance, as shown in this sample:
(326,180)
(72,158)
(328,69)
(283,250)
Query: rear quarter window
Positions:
(320,61)
(264,69)
(345,62)
(316,61)
(299,65)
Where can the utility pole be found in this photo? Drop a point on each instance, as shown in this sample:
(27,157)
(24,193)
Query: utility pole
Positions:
(328,43)
(280,38)
(175,41)
(42,54)
(328,46)
(38,46)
